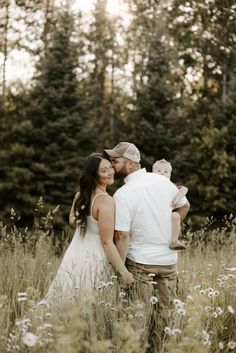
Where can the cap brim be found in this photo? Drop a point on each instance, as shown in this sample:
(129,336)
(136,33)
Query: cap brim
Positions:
(112,153)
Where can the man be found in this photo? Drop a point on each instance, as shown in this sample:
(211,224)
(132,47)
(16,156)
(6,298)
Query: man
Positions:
(143,223)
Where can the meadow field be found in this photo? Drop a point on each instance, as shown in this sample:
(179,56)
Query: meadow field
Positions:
(202,318)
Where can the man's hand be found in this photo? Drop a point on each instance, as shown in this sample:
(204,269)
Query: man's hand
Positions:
(126,279)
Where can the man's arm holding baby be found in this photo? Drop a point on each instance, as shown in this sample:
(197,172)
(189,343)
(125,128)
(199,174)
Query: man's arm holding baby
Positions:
(183,210)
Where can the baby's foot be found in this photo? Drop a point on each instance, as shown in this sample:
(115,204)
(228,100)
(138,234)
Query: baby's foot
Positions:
(178,245)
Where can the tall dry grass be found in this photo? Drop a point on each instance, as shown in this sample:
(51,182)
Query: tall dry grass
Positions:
(202,318)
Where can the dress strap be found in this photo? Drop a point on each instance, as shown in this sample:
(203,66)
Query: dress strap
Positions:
(92,203)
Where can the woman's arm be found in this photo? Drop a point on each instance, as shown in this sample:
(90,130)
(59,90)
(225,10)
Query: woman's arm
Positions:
(72,217)
(106,221)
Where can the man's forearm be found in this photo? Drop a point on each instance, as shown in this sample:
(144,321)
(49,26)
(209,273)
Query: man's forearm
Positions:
(122,243)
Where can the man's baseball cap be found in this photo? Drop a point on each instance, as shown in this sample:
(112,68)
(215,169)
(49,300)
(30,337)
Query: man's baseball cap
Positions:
(125,149)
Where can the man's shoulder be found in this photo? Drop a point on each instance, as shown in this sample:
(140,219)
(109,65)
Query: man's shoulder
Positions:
(121,190)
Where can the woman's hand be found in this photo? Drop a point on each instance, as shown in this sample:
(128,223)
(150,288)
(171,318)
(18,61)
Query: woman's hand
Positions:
(127,279)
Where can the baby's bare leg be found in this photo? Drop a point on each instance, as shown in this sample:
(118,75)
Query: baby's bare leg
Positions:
(176,227)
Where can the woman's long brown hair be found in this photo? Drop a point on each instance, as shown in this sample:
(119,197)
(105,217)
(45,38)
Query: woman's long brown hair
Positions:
(87,185)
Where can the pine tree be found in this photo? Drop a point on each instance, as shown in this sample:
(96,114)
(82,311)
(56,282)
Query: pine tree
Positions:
(57,134)
(17,178)
(105,56)
(155,118)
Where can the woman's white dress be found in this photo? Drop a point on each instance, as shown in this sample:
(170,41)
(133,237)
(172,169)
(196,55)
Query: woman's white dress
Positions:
(83,265)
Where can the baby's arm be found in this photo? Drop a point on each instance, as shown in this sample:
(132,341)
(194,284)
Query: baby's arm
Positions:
(182,192)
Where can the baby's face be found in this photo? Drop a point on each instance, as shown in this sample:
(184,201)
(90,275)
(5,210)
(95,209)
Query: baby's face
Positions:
(162,169)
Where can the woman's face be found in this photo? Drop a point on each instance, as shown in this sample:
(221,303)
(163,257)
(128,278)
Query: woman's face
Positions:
(105,173)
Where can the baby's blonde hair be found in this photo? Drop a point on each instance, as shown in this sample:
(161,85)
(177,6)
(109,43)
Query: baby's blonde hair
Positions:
(164,162)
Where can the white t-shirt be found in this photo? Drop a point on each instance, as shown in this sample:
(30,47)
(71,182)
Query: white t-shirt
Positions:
(143,208)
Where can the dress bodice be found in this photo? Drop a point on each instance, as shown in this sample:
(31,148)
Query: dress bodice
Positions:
(92,226)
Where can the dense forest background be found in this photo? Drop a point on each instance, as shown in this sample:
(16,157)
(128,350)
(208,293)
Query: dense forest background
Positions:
(162,75)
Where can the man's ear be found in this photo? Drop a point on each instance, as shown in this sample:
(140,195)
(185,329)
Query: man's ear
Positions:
(130,164)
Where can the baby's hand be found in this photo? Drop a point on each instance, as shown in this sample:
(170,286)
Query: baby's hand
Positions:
(173,205)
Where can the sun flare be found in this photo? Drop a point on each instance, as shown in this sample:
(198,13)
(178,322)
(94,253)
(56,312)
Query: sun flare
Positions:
(113,7)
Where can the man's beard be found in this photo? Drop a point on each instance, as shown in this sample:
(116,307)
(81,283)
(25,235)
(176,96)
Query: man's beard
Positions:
(120,175)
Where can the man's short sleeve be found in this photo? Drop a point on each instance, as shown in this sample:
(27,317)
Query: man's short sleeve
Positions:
(123,217)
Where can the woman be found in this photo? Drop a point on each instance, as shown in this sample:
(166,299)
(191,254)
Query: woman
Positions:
(92,213)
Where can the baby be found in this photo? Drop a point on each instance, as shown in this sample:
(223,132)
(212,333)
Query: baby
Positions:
(163,167)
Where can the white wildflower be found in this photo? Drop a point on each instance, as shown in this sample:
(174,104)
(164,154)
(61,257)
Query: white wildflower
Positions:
(22,294)
(29,339)
(181,311)
(210,289)
(153,300)
(129,308)
(113,277)
(13,213)
(139,315)
(175,332)
(122,294)
(219,310)
(230,269)
(22,299)
(230,309)
(231,344)
(23,323)
(221,345)
(42,302)
(205,338)
(210,294)
(177,302)
(179,305)
(189,297)
(101,285)
(167,330)
(109,284)
(202,291)
(231,276)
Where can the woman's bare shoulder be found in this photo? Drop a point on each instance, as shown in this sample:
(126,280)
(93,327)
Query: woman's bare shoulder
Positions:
(105,199)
